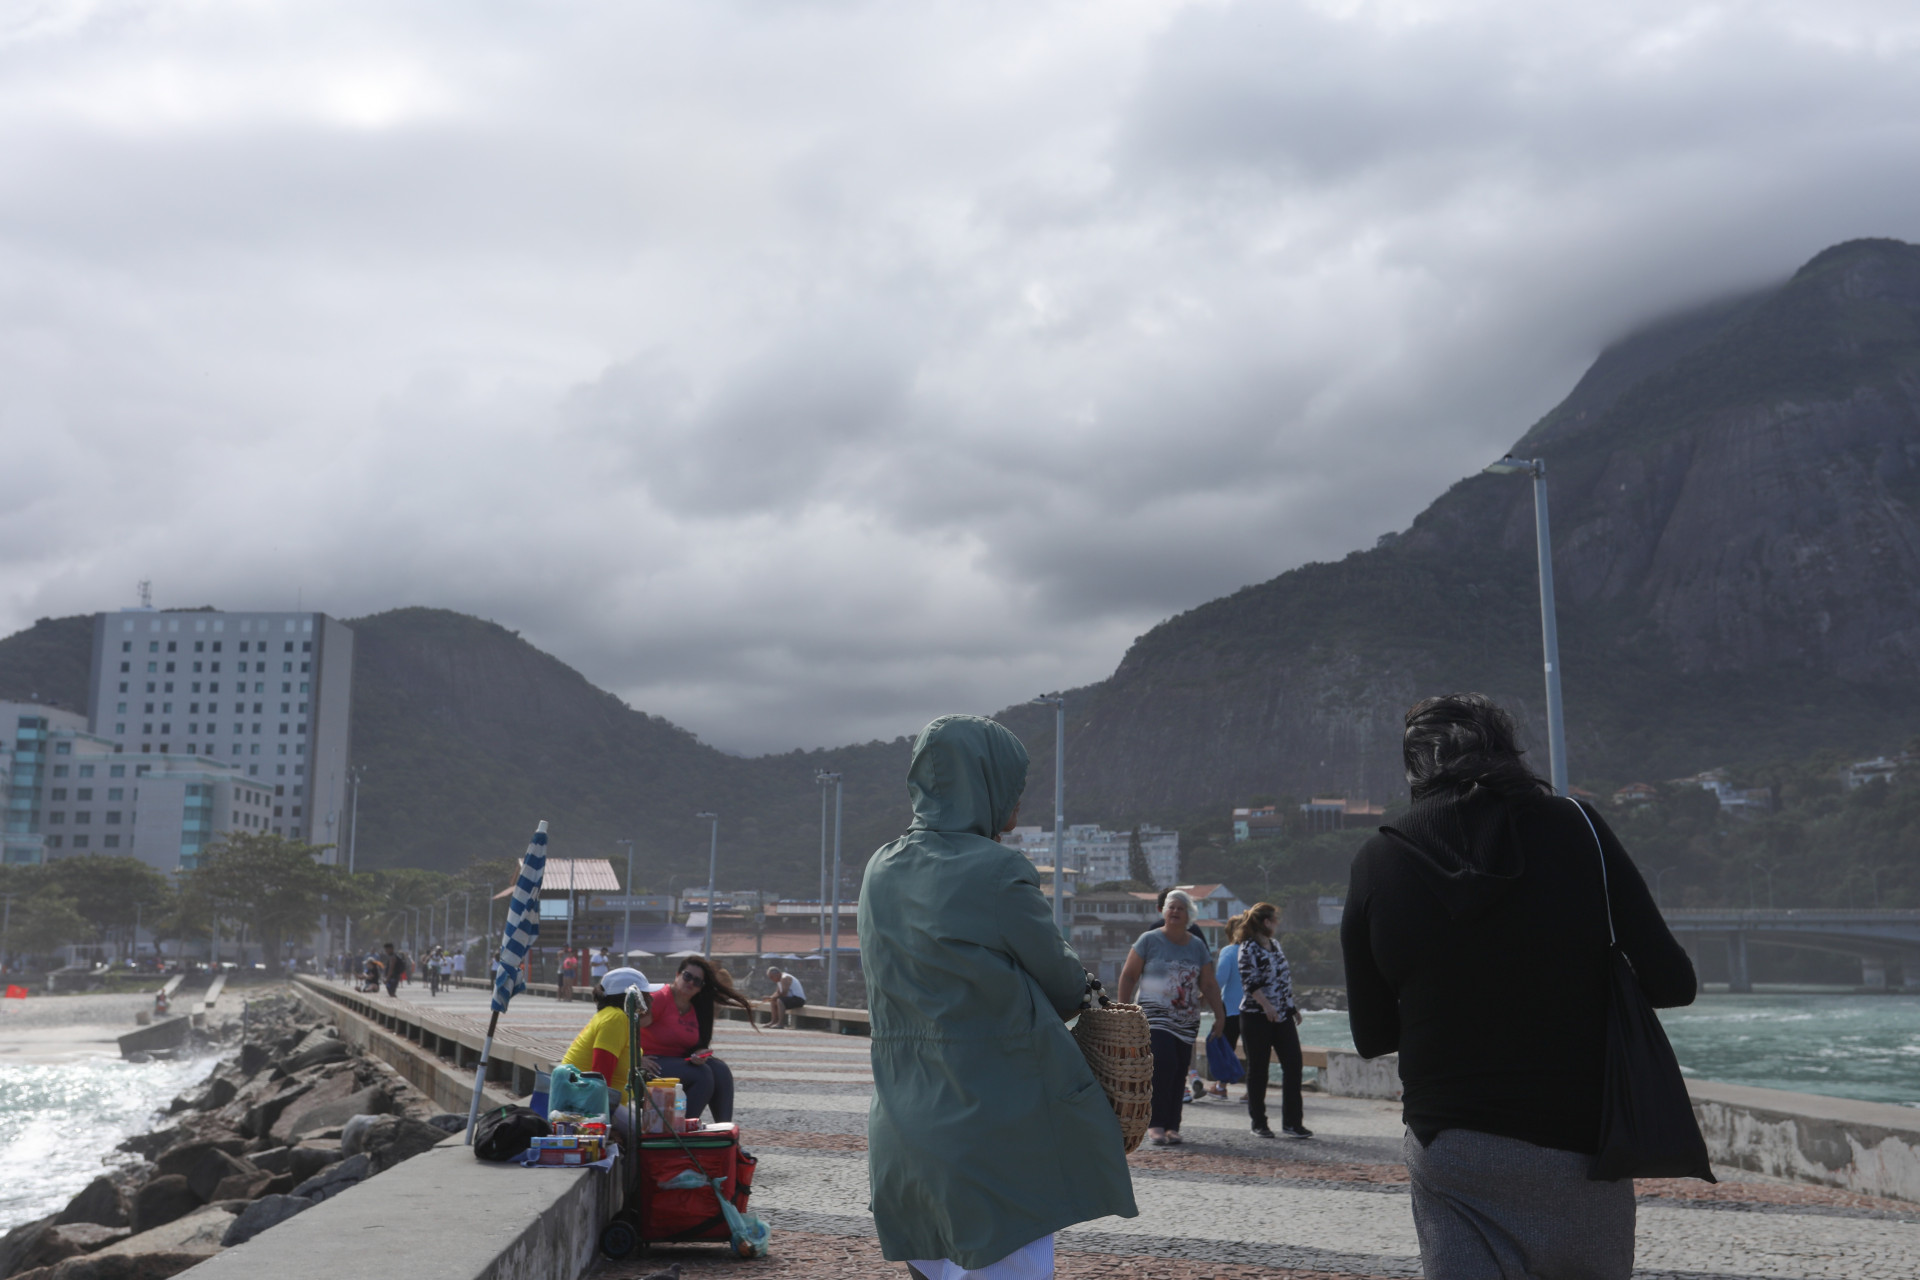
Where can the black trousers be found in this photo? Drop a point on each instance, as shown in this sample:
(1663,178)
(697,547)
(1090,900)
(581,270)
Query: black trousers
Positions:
(1282,1040)
(1171,1058)
(1230,1030)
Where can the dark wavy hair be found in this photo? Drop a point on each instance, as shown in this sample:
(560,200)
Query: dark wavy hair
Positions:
(1459,741)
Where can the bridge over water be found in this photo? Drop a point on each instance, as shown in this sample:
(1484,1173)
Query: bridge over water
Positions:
(1883,940)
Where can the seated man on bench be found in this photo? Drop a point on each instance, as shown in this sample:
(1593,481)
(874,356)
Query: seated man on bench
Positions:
(787,994)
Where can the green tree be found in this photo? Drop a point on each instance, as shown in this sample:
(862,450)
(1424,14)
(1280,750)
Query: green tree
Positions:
(264,883)
(111,894)
(44,923)
(1137,868)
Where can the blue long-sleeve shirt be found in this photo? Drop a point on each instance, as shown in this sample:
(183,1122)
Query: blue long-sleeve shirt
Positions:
(1227,970)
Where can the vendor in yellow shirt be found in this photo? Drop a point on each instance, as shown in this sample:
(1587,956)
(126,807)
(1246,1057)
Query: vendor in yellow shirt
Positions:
(602,1044)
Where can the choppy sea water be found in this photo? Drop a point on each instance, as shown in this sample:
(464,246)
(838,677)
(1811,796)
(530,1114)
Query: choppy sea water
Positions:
(1846,1046)
(57,1121)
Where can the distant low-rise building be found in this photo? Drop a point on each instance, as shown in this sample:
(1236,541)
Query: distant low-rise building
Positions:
(1095,855)
(1880,769)
(1337,813)
(1257,821)
(1740,802)
(1635,793)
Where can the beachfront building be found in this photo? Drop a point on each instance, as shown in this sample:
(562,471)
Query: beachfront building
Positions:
(204,697)
(68,792)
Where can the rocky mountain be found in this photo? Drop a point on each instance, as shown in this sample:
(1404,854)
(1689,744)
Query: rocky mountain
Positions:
(1736,555)
(1736,517)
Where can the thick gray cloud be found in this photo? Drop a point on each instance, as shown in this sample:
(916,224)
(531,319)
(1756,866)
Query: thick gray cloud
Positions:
(802,371)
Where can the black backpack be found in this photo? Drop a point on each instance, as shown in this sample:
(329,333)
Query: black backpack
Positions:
(504,1133)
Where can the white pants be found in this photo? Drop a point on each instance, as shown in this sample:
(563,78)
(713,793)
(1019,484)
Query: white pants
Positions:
(1029,1262)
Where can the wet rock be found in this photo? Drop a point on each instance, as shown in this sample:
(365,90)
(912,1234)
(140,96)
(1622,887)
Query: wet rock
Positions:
(268,1211)
(100,1201)
(219,1092)
(163,1200)
(214,1168)
(328,1050)
(336,1178)
(448,1121)
(262,1115)
(254,1058)
(393,1139)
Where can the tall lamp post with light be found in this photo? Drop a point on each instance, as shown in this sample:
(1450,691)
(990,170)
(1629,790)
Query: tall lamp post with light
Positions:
(1059,807)
(821,778)
(713,866)
(353,833)
(1549,630)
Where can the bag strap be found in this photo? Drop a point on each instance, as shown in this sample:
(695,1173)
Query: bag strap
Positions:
(1606,894)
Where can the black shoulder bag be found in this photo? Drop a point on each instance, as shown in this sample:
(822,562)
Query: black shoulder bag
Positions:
(1647,1129)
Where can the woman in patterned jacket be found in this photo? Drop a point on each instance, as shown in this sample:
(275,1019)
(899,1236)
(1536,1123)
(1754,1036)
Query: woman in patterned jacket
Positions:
(1269,1022)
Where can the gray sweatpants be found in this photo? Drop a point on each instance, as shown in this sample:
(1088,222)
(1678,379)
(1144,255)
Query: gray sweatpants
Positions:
(1490,1208)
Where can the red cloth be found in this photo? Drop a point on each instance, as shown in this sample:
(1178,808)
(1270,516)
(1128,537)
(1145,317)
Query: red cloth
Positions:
(16,992)
(671,1034)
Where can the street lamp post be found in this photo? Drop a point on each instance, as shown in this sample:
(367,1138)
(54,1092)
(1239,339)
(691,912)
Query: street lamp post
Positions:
(1059,807)
(713,865)
(821,778)
(626,928)
(1660,879)
(833,956)
(1549,629)
(353,834)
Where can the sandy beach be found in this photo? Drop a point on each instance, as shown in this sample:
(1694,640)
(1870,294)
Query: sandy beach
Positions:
(74,1028)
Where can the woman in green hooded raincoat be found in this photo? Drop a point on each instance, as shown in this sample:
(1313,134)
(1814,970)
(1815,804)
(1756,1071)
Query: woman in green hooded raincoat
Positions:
(988,1132)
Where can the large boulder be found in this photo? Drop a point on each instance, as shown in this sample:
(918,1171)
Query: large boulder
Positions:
(272,1159)
(267,1211)
(219,1092)
(152,1255)
(217,1167)
(332,1103)
(100,1201)
(254,1057)
(261,1115)
(85,1237)
(392,1139)
(185,1157)
(31,1245)
(162,1200)
(334,1179)
(308,1159)
(312,1054)
(247,1186)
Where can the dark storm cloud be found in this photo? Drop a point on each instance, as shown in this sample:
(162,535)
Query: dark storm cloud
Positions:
(800,372)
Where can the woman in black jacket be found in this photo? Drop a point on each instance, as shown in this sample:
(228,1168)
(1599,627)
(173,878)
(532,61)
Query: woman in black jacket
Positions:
(1475,938)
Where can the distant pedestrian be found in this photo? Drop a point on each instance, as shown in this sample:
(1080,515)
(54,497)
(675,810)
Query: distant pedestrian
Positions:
(1270,1021)
(1226,971)
(460,964)
(569,967)
(1476,945)
(599,963)
(393,967)
(433,973)
(1171,972)
(787,996)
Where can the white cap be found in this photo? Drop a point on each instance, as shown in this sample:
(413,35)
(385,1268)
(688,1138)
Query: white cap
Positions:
(619,981)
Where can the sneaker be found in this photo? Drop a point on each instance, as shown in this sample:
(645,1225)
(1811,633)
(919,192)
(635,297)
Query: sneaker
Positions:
(1296,1131)
(1261,1131)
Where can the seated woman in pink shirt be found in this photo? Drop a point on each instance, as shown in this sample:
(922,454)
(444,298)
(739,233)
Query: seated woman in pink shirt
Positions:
(675,1033)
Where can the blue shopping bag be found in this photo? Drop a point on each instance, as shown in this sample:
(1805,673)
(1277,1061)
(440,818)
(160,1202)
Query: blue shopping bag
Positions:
(1222,1063)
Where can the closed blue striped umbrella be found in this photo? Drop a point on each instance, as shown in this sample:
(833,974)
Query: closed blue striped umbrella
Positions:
(509,978)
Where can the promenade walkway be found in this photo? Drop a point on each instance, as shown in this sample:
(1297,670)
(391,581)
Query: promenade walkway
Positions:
(1225,1205)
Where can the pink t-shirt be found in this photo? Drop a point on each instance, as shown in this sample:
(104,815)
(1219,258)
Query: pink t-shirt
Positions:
(671,1034)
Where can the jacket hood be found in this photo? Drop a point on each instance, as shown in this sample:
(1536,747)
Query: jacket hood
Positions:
(1464,847)
(967,775)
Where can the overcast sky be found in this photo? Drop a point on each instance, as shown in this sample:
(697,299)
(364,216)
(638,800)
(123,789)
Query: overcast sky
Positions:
(799,371)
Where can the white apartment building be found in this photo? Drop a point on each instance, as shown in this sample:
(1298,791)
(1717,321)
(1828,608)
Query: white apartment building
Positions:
(1097,856)
(227,706)
(70,793)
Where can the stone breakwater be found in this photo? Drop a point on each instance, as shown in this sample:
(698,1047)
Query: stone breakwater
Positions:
(289,1118)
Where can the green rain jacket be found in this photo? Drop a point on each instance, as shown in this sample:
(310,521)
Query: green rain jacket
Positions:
(988,1130)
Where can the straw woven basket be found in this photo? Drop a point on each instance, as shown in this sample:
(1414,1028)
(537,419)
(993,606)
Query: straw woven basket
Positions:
(1119,1048)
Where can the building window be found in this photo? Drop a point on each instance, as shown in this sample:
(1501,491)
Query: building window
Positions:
(83,817)
(116,793)
(169,668)
(79,842)
(120,708)
(153,668)
(116,771)
(123,686)
(148,708)
(119,728)
(56,819)
(166,708)
(151,686)
(112,842)
(126,668)
(153,646)
(146,728)
(83,793)
(58,793)
(142,770)
(169,687)
(86,771)
(198,668)
(60,771)
(173,646)
(126,646)
(113,816)
(53,842)
(199,646)
(216,648)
